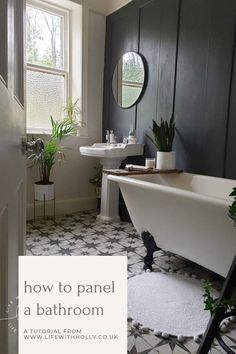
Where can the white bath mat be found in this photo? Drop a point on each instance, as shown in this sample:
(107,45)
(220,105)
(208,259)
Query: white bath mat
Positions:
(170,303)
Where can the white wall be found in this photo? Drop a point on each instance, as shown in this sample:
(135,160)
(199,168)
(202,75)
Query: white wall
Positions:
(73,190)
(72,187)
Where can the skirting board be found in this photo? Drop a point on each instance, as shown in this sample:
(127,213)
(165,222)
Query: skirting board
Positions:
(62,207)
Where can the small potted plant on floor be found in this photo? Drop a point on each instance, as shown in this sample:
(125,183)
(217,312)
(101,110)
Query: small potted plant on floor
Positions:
(163,136)
(96,180)
(46,158)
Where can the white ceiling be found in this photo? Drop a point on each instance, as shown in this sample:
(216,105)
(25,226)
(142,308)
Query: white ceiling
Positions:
(107,6)
(114,5)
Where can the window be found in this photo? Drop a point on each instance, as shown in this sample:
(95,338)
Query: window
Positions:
(47,64)
(132,78)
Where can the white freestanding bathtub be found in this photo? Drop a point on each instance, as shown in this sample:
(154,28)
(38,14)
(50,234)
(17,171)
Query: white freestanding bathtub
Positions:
(186,214)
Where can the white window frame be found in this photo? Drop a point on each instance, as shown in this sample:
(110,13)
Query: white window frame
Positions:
(65,72)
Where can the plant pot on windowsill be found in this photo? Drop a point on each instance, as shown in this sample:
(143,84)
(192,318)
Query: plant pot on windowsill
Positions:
(44,191)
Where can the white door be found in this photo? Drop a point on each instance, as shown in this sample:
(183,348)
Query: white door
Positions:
(12,166)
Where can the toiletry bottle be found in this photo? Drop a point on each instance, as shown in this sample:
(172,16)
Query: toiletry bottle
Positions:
(132,137)
(112,137)
(107,137)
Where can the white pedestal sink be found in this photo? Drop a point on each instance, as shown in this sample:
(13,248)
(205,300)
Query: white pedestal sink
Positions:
(111,157)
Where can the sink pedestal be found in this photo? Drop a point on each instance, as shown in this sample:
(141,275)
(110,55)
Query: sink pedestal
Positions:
(110,192)
(110,158)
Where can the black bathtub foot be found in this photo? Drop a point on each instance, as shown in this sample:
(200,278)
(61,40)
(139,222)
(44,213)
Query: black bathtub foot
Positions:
(151,247)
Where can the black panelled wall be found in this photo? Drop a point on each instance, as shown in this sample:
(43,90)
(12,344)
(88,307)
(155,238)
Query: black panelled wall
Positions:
(189,47)
(203,83)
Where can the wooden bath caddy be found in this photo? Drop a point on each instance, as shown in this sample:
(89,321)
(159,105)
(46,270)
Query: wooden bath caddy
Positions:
(123,172)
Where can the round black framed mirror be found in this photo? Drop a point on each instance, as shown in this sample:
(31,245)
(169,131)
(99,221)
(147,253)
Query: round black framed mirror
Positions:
(128,79)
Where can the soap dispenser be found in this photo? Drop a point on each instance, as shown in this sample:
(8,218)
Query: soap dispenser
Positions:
(112,137)
(132,137)
(107,137)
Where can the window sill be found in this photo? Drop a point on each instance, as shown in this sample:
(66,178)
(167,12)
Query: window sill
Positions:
(38,132)
(45,132)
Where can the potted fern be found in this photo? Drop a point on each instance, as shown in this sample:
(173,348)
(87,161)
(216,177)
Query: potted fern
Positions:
(46,158)
(163,136)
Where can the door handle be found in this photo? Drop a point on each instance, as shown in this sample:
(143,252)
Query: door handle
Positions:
(33,146)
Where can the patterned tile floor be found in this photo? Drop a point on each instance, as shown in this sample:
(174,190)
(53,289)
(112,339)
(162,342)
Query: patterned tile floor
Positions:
(82,234)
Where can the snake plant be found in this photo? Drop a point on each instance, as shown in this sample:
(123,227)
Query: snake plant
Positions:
(163,134)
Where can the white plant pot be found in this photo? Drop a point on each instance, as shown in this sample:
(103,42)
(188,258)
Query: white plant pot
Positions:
(166,160)
(43,191)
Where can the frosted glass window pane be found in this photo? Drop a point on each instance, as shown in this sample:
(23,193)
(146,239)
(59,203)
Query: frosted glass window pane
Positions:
(45,98)
(44,38)
(129,95)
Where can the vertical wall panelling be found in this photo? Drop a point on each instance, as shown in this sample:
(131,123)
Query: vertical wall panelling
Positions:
(190,82)
(218,85)
(202,88)
(158,38)
(3,40)
(106,81)
(144,60)
(188,46)
(123,37)
(230,161)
